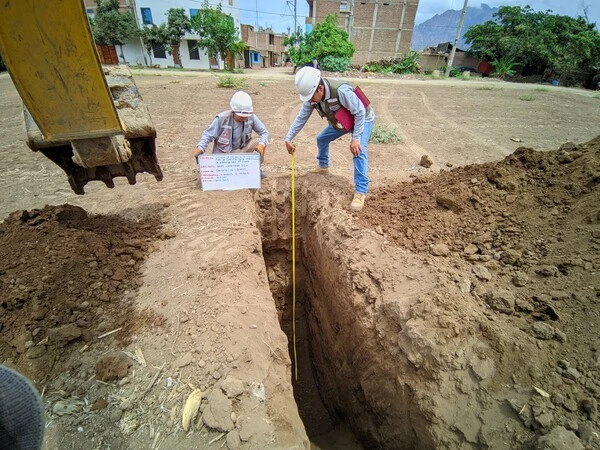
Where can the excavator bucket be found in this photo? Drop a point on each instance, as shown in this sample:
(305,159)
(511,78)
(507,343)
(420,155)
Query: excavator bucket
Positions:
(89,120)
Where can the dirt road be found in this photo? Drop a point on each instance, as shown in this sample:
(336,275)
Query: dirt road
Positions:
(402,305)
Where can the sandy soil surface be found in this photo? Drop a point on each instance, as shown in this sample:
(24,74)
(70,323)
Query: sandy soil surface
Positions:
(459,309)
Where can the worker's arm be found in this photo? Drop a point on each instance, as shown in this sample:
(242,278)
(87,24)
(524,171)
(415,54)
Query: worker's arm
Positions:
(263,134)
(303,115)
(209,135)
(352,103)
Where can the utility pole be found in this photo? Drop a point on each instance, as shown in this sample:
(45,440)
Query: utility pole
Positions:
(295,17)
(460,24)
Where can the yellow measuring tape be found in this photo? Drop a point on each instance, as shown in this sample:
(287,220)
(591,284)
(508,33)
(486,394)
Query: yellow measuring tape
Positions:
(294,266)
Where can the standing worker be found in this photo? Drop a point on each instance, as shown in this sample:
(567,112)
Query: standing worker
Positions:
(328,97)
(231,130)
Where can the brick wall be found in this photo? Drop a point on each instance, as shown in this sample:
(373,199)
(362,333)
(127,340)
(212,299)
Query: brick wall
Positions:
(378,28)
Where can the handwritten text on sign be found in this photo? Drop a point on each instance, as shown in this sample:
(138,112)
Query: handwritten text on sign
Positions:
(229,172)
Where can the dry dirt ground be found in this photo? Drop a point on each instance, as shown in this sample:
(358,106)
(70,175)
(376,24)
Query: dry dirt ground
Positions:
(460,309)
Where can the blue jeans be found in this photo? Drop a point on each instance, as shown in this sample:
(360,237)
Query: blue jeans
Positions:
(361,162)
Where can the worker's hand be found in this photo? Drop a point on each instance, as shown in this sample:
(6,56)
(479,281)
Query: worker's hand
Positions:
(355,148)
(261,149)
(198,151)
(291,148)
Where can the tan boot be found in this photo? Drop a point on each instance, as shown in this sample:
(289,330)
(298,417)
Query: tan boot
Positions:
(358,202)
(320,170)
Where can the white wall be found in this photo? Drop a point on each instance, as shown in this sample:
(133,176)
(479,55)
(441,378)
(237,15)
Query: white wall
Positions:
(133,50)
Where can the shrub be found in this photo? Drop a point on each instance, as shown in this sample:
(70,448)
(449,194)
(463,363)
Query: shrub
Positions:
(406,64)
(228,81)
(335,63)
(384,135)
(503,67)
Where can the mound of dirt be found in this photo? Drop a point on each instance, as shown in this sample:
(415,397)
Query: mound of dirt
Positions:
(68,276)
(521,239)
(497,206)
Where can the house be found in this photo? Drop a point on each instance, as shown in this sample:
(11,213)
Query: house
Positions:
(379,29)
(149,12)
(436,58)
(265,48)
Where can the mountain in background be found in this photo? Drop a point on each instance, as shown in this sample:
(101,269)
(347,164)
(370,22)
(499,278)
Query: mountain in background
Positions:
(442,27)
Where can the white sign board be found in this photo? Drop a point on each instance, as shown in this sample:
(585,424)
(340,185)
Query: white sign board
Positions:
(229,172)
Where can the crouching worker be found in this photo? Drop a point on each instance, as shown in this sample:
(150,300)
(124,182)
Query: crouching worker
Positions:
(231,131)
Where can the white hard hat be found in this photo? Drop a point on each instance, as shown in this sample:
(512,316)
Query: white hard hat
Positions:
(241,104)
(307,80)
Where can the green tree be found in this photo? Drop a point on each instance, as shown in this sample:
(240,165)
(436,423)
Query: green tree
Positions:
(177,25)
(217,33)
(154,36)
(328,44)
(111,27)
(537,40)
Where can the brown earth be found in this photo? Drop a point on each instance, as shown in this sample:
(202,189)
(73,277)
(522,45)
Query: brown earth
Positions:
(458,310)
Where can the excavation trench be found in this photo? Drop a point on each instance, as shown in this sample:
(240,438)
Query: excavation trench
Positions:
(349,392)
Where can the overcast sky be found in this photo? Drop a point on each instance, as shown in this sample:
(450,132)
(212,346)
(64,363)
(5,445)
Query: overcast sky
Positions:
(279,14)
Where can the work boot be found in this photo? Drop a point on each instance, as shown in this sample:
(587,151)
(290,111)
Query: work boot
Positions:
(321,170)
(358,202)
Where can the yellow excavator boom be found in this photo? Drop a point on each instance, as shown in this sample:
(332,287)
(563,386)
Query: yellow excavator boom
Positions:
(89,120)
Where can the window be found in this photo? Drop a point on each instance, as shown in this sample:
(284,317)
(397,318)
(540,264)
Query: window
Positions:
(344,5)
(159,52)
(146,16)
(193,13)
(255,58)
(193,49)
(271,39)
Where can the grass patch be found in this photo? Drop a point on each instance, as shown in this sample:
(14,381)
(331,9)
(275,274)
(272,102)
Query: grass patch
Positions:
(527,98)
(488,88)
(228,81)
(596,96)
(384,135)
(542,89)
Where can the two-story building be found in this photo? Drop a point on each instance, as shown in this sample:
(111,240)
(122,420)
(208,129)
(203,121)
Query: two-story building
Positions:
(379,29)
(265,48)
(154,12)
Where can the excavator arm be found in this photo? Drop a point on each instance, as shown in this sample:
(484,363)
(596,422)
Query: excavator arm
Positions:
(88,119)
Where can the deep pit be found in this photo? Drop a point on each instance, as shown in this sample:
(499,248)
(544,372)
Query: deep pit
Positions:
(325,429)
(349,394)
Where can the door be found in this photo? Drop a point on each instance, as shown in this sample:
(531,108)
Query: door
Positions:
(107,54)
